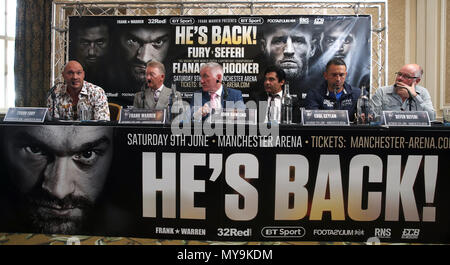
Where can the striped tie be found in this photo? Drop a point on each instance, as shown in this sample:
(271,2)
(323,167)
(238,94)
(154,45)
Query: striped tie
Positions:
(156,95)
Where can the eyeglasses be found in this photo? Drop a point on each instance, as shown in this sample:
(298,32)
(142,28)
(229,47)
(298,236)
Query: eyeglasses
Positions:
(405,75)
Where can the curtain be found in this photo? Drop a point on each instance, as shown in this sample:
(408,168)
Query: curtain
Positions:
(32,52)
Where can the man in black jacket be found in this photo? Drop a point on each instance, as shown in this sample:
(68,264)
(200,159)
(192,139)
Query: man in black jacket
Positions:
(334,93)
(274,82)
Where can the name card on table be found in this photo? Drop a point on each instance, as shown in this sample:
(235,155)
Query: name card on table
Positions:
(407,118)
(325,118)
(26,114)
(234,116)
(142,116)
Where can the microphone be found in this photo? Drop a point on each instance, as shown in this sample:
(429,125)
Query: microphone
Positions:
(225,93)
(411,98)
(217,81)
(410,95)
(335,90)
(52,89)
(144,86)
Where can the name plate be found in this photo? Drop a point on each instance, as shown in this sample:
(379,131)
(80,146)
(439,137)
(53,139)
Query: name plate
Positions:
(26,114)
(234,116)
(142,116)
(325,118)
(407,118)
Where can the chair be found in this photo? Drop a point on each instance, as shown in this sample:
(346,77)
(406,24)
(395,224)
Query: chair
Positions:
(114,111)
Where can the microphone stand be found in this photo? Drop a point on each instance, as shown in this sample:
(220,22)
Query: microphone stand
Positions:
(170,103)
(410,99)
(51,93)
(335,97)
(225,97)
(143,94)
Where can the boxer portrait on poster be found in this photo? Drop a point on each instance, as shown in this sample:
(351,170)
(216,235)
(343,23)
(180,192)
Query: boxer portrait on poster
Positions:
(300,45)
(53,177)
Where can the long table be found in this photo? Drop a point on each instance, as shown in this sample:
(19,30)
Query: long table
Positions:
(286,183)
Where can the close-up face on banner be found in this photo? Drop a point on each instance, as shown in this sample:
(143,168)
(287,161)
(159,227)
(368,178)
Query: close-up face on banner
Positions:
(114,50)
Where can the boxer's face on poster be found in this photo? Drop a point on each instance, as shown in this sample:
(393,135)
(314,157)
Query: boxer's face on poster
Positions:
(59,173)
(93,45)
(338,41)
(141,45)
(290,49)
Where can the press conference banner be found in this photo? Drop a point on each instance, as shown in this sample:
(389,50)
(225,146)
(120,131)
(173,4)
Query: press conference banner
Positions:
(114,50)
(307,184)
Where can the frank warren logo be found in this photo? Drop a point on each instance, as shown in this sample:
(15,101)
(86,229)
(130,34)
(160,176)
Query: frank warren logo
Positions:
(410,233)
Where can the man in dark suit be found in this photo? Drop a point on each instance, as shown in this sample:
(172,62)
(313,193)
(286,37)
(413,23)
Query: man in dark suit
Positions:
(156,95)
(213,94)
(274,82)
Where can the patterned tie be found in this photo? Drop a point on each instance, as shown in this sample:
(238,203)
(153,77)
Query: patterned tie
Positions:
(212,101)
(156,95)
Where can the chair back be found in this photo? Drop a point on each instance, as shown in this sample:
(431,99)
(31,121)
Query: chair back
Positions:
(114,111)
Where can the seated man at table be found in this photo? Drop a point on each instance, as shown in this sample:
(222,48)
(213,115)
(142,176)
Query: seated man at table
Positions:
(213,94)
(405,94)
(334,93)
(274,82)
(75,94)
(155,96)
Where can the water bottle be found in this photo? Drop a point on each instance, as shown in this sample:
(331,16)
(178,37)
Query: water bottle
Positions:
(363,108)
(177,102)
(286,106)
(83,111)
(169,107)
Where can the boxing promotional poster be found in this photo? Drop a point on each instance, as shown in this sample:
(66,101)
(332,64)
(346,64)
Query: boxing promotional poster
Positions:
(115,50)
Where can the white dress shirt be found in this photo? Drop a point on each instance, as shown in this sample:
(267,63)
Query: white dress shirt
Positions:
(277,106)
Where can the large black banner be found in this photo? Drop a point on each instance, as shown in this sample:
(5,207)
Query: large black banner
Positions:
(114,50)
(293,184)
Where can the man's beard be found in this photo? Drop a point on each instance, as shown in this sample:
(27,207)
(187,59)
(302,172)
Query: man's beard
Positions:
(96,66)
(135,75)
(138,79)
(39,209)
(293,73)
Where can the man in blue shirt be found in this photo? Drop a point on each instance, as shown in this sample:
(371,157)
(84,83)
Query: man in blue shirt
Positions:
(334,93)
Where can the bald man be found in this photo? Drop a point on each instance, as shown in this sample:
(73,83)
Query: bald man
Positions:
(405,94)
(75,94)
